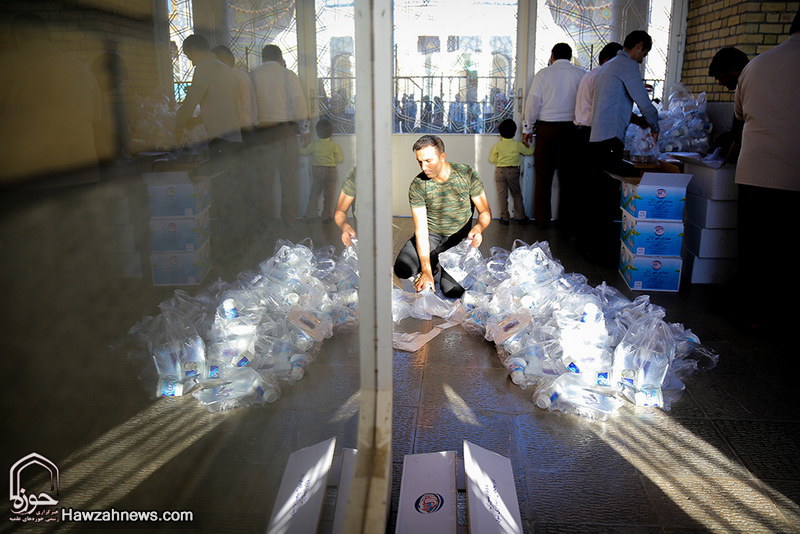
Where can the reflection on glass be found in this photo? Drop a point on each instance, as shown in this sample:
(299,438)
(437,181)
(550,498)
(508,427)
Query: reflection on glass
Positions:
(167,192)
(454,72)
(588,25)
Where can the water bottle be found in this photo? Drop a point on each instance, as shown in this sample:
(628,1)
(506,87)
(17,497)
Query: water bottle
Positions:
(516,368)
(242,387)
(568,394)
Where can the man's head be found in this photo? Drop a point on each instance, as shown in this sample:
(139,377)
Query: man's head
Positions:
(225,55)
(507,129)
(561,51)
(727,65)
(608,52)
(28,27)
(272,52)
(429,150)
(637,44)
(195,47)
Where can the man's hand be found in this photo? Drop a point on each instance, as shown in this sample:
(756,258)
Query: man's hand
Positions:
(348,234)
(424,282)
(527,139)
(476,236)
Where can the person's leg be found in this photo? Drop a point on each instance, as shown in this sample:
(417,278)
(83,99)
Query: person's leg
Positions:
(329,203)
(448,285)
(407,263)
(567,178)
(317,183)
(515,188)
(290,176)
(500,181)
(544,166)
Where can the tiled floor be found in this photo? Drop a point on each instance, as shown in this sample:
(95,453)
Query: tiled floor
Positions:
(723,459)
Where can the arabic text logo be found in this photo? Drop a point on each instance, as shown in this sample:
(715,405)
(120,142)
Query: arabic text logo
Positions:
(21,502)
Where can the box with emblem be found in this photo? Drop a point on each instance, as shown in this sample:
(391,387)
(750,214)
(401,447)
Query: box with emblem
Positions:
(175,194)
(649,273)
(647,237)
(656,196)
(181,268)
(179,234)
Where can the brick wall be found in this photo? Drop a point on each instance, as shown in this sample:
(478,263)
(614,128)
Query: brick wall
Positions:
(752,27)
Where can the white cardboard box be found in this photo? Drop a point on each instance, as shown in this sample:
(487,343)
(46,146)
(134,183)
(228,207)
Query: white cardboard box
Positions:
(428,494)
(181,268)
(658,195)
(174,194)
(649,273)
(183,234)
(711,242)
(709,270)
(491,494)
(708,213)
(302,491)
(716,184)
(652,238)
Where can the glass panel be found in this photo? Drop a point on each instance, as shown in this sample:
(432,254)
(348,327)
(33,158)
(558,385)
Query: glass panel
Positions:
(588,25)
(174,326)
(454,69)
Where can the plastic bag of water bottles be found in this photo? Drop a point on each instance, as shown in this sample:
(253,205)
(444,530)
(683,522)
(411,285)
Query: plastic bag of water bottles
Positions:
(642,358)
(460,260)
(178,352)
(237,387)
(567,393)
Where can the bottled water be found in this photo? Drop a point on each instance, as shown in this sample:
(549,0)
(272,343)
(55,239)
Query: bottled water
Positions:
(241,387)
(460,260)
(568,394)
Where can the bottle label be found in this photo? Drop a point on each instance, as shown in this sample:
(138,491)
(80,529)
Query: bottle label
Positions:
(213,371)
(242,362)
(573,368)
(602,379)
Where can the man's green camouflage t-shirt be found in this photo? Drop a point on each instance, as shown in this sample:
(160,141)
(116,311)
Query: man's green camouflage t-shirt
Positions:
(448,204)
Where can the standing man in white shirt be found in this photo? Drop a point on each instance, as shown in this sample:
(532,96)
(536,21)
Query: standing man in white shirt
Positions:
(282,114)
(213,88)
(550,113)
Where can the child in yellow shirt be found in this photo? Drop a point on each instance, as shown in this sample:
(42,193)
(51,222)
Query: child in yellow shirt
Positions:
(325,156)
(506,155)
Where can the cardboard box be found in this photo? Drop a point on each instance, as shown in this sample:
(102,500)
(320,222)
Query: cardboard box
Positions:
(708,213)
(709,270)
(181,268)
(649,273)
(658,195)
(428,494)
(711,242)
(716,184)
(179,234)
(652,238)
(174,194)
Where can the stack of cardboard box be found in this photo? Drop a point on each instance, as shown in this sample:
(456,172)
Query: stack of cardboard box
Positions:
(652,231)
(179,227)
(711,246)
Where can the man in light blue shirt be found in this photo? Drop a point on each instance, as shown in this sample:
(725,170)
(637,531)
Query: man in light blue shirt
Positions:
(617,87)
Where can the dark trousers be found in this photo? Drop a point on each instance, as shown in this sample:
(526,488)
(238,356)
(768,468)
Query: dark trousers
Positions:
(280,153)
(507,181)
(407,263)
(553,152)
(608,156)
(767,289)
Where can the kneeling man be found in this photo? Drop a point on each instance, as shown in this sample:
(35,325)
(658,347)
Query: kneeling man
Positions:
(442,198)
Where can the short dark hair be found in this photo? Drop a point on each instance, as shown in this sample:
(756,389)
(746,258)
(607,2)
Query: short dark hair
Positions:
(795,27)
(507,129)
(609,51)
(271,52)
(636,37)
(324,128)
(224,54)
(727,59)
(562,51)
(196,42)
(429,140)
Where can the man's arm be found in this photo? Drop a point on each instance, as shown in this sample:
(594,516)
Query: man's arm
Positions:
(425,280)
(484,219)
(636,89)
(194,95)
(533,105)
(340,218)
